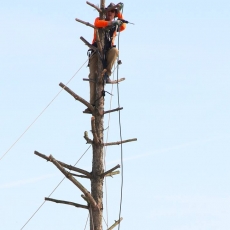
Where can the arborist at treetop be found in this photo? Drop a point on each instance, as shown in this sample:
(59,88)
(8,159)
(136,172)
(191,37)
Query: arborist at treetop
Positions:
(110,50)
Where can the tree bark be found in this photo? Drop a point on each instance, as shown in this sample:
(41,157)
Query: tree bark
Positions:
(98,155)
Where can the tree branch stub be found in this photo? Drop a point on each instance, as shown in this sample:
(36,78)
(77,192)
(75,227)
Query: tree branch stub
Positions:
(111,170)
(119,142)
(67,202)
(85,23)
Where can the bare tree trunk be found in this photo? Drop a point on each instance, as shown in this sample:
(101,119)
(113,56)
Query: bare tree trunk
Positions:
(98,164)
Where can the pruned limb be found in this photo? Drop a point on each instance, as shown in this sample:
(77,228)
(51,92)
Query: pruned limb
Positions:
(83,101)
(115,224)
(86,23)
(111,170)
(77,183)
(94,6)
(120,142)
(88,44)
(116,81)
(87,79)
(89,141)
(113,110)
(95,138)
(112,173)
(70,167)
(67,202)
(77,175)
(84,197)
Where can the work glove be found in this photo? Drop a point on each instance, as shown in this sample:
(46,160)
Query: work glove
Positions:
(117,22)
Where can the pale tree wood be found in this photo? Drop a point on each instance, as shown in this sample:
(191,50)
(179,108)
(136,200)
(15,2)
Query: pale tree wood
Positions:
(92,202)
(88,140)
(112,174)
(111,170)
(94,6)
(67,202)
(86,23)
(115,224)
(70,167)
(77,175)
(119,142)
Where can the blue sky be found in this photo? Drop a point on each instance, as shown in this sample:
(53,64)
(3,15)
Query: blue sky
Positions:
(175,98)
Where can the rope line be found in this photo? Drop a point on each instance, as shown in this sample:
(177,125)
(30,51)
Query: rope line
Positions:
(122,166)
(53,190)
(41,113)
(86,222)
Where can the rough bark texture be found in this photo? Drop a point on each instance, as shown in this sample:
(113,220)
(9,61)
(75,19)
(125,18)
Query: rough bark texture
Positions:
(97,165)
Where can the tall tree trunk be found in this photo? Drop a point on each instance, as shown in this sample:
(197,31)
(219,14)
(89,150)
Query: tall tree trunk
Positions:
(98,164)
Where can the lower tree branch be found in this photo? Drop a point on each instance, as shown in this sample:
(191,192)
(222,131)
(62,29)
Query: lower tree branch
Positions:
(70,167)
(67,202)
(120,142)
(77,183)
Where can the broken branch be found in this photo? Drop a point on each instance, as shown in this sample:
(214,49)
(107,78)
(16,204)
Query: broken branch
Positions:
(77,183)
(83,101)
(70,167)
(67,202)
(89,141)
(120,142)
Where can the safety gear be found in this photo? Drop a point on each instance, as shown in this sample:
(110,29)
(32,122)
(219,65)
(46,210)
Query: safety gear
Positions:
(117,22)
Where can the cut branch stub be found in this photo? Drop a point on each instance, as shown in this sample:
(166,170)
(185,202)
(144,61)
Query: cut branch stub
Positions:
(111,170)
(88,140)
(120,142)
(67,202)
(77,183)
(83,101)
(94,6)
(115,224)
(88,44)
(85,23)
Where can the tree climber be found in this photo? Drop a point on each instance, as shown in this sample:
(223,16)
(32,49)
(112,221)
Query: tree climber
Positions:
(110,50)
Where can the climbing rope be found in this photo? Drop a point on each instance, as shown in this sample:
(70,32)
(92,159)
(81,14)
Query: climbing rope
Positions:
(42,112)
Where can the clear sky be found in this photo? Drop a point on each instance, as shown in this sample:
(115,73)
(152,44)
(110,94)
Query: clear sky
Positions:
(175,98)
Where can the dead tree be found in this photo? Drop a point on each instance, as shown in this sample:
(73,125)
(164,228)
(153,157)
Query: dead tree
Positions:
(94,198)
